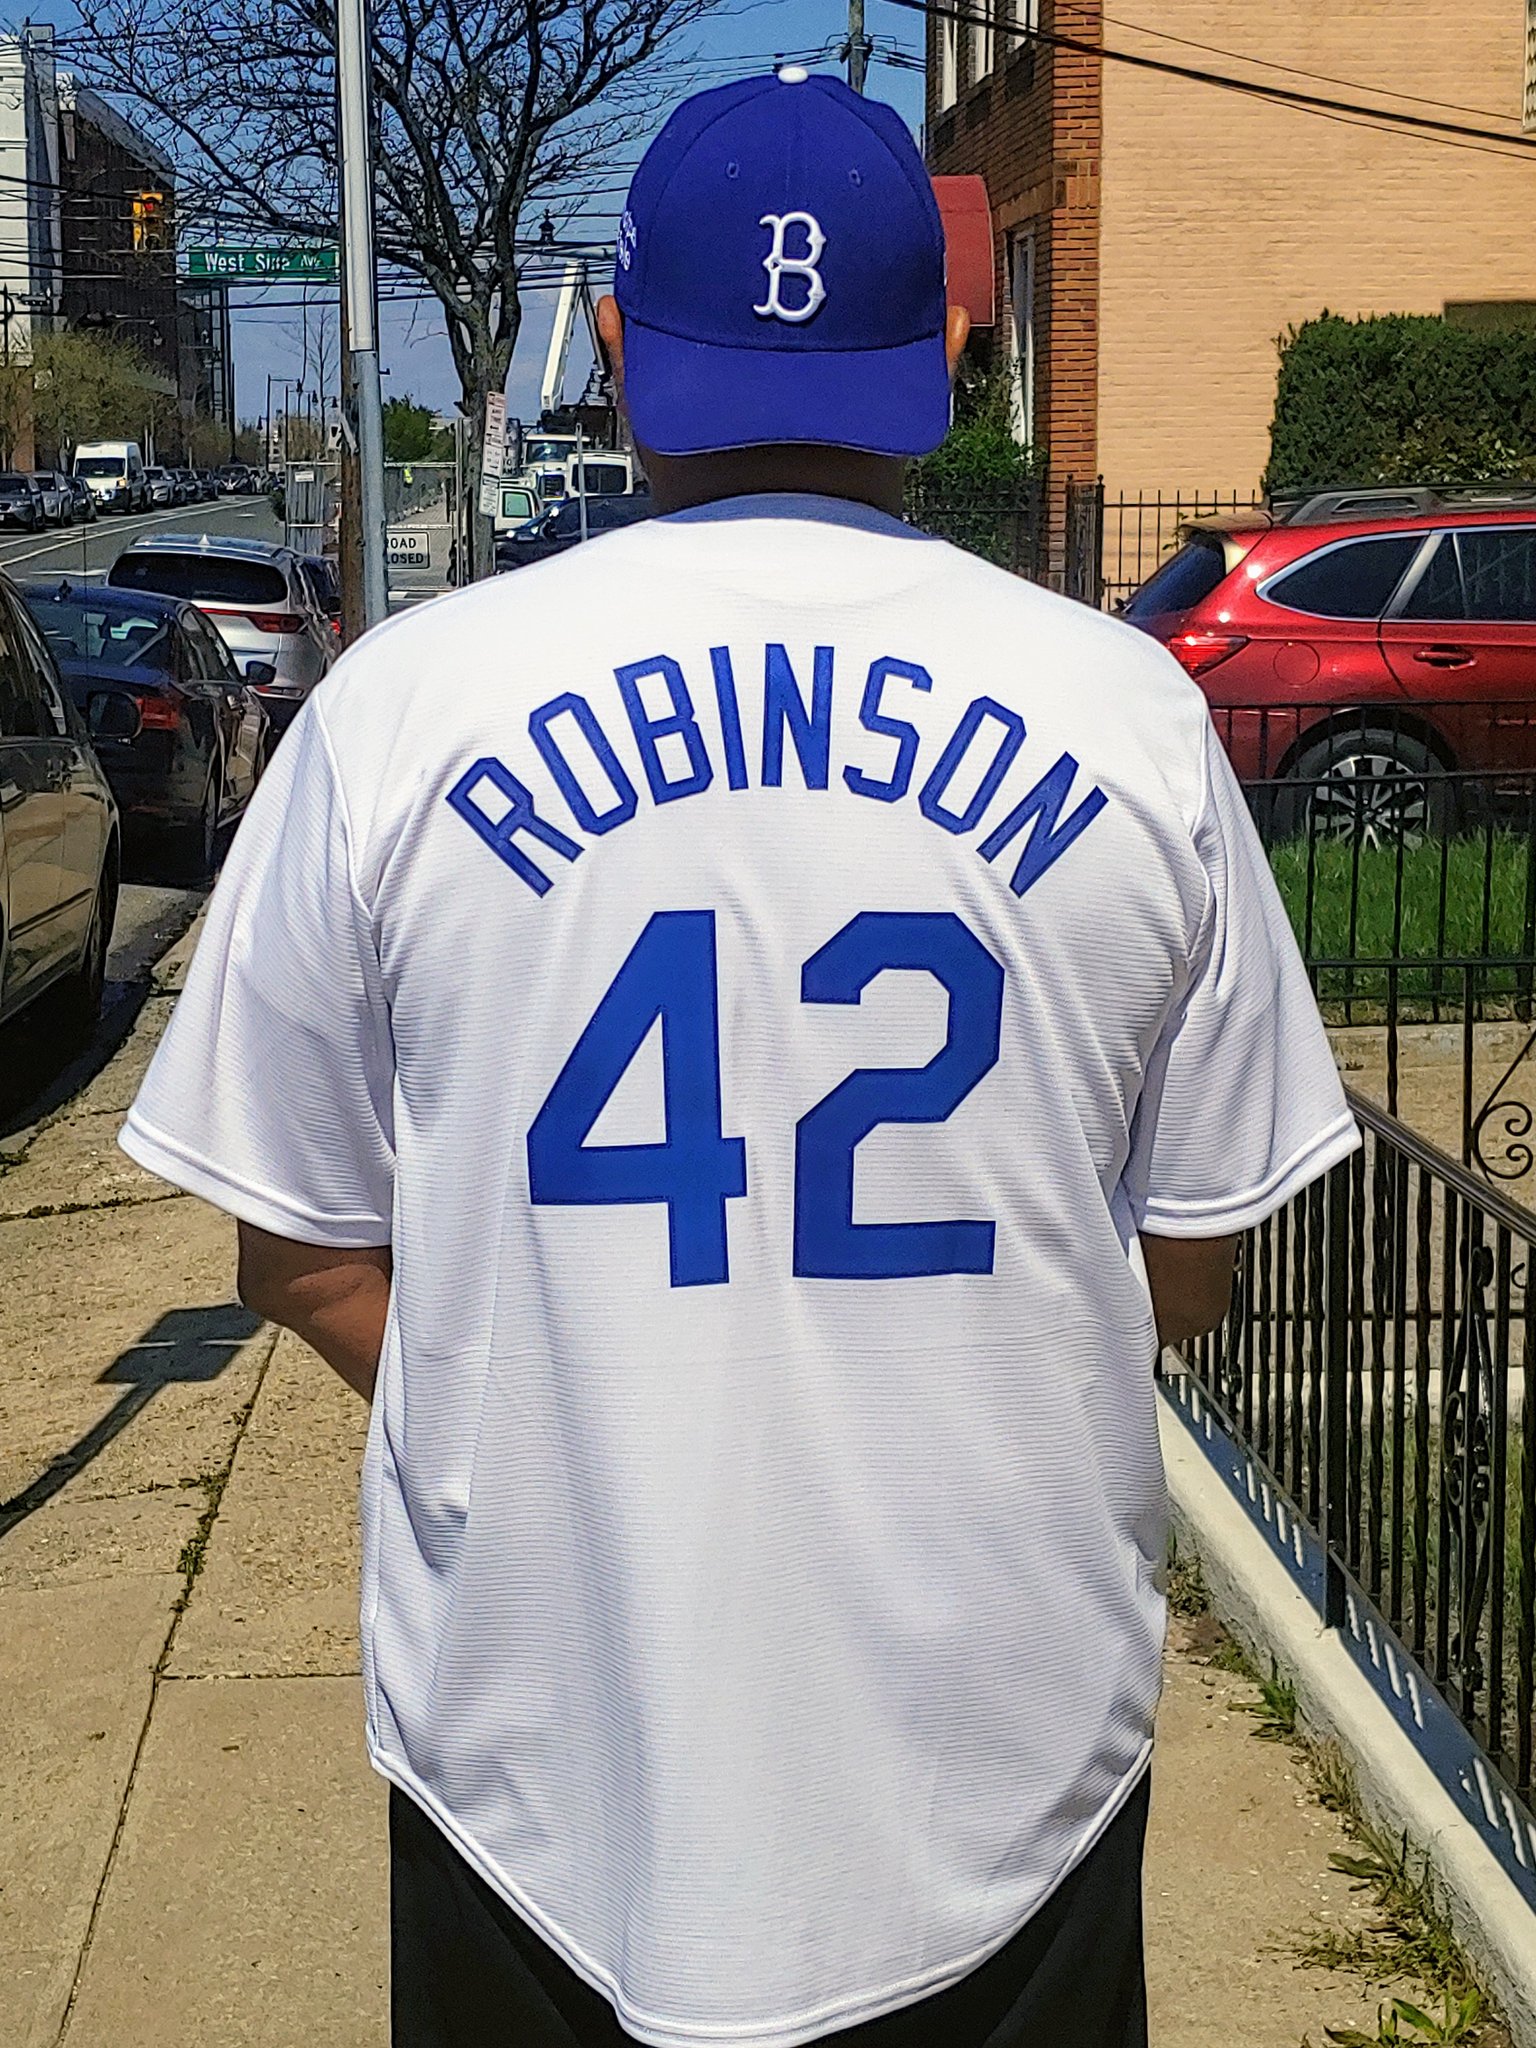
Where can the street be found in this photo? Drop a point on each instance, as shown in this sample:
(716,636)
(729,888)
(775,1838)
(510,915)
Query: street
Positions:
(152,910)
(91,550)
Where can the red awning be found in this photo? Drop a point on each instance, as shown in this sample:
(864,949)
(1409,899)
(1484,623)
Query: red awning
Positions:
(967,216)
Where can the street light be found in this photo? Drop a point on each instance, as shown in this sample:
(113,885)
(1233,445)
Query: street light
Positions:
(360,307)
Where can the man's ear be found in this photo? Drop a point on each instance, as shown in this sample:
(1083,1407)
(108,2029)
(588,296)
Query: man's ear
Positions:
(957,332)
(610,327)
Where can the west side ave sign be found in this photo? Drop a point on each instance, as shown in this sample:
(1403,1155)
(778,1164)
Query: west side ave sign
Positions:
(319,264)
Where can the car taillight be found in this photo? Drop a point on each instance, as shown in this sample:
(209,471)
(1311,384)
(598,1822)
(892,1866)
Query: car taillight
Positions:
(264,622)
(158,714)
(1197,652)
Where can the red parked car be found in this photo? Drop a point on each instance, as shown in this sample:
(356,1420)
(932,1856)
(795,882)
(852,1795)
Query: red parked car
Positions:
(1360,648)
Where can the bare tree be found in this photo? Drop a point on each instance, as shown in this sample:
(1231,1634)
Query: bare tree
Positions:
(485,109)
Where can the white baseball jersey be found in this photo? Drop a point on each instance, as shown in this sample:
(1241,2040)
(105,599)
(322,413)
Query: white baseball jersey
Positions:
(759,971)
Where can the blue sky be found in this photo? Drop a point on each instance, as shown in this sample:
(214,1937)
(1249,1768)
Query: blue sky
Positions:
(743,37)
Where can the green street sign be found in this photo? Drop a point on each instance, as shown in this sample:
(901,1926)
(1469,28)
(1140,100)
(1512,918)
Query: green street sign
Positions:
(320,264)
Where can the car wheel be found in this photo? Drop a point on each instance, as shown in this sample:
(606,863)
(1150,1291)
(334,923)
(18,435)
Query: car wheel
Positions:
(76,1002)
(1381,787)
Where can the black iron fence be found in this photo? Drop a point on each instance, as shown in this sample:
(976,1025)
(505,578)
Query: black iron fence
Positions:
(1403,839)
(1379,1361)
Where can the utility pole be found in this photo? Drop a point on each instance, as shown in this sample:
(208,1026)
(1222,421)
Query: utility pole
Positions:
(360,303)
(857,51)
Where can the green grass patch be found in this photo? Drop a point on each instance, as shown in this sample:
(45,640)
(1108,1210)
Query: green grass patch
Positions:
(1436,899)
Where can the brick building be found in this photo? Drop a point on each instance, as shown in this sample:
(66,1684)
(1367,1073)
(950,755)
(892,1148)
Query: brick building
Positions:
(117,196)
(1156,233)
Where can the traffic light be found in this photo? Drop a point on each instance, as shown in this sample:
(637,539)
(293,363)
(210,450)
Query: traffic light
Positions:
(148,220)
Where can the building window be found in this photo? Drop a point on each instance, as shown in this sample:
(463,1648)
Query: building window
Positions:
(1022,17)
(983,40)
(1021,333)
(949,61)
(1528,108)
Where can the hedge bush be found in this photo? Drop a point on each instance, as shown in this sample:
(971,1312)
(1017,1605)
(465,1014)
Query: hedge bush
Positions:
(1402,398)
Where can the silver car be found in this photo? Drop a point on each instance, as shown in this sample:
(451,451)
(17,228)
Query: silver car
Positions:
(254,592)
(58,499)
(162,486)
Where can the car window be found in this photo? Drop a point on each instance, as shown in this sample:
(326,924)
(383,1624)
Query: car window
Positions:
(1498,572)
(38,697)
(78,629)
(212,654)
(1437,594)
(1185,579)
(1353,580)
(23,714)
(212,579)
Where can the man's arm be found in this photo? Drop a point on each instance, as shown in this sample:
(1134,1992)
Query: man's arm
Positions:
(1191,1283)
(337,1301)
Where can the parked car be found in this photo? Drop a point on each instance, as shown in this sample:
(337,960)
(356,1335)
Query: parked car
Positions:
(182,735)
(59,840)
(188,490)
(560,528)
(161,485)
(57,497)
(21,502)
(85,503)
(234,480)
(256,595)
(115,472)
(1356,646)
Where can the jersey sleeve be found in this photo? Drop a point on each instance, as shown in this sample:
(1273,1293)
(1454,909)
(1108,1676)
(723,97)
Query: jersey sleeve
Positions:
(1242,1104)
(271,1094)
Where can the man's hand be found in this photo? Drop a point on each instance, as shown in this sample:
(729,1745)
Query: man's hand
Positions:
(337,1301)
(1191,1283)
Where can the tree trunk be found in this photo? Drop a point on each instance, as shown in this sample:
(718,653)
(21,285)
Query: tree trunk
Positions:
(480,528)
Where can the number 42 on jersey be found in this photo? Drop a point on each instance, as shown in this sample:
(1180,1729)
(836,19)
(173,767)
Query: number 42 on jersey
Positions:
(671,975)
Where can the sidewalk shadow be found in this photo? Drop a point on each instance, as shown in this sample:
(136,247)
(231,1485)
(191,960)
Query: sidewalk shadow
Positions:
(189,1344)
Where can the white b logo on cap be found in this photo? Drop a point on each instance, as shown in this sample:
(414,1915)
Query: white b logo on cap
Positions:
(779,265)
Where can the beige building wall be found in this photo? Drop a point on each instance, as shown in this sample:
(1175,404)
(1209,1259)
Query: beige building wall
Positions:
(1226,219)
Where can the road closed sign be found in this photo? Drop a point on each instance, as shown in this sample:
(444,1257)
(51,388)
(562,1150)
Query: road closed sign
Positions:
(409,548)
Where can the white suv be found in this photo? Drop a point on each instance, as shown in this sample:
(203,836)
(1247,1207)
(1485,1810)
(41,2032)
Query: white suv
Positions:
(255,593)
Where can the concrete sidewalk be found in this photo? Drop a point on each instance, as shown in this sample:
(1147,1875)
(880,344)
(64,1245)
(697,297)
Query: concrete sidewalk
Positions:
(191,1844)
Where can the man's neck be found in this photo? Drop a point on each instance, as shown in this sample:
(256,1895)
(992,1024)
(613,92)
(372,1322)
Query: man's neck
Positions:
(680,481)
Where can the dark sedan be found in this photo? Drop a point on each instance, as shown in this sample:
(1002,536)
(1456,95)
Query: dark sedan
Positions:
(555,531)
(85,503)
(21,502)
(181,734)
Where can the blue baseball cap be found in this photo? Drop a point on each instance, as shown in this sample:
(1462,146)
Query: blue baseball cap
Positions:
(781,274)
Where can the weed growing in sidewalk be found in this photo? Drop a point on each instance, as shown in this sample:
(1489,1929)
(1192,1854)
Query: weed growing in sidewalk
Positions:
(1274,1709)
(1187,1595)
(1457,2025)
(1408,1937)
(195,1549)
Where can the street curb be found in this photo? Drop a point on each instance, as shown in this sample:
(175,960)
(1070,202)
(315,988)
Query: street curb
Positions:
(168,976)
(1254,1595)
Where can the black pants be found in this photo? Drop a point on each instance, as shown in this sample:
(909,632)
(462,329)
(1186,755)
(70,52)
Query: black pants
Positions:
(468,1973)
